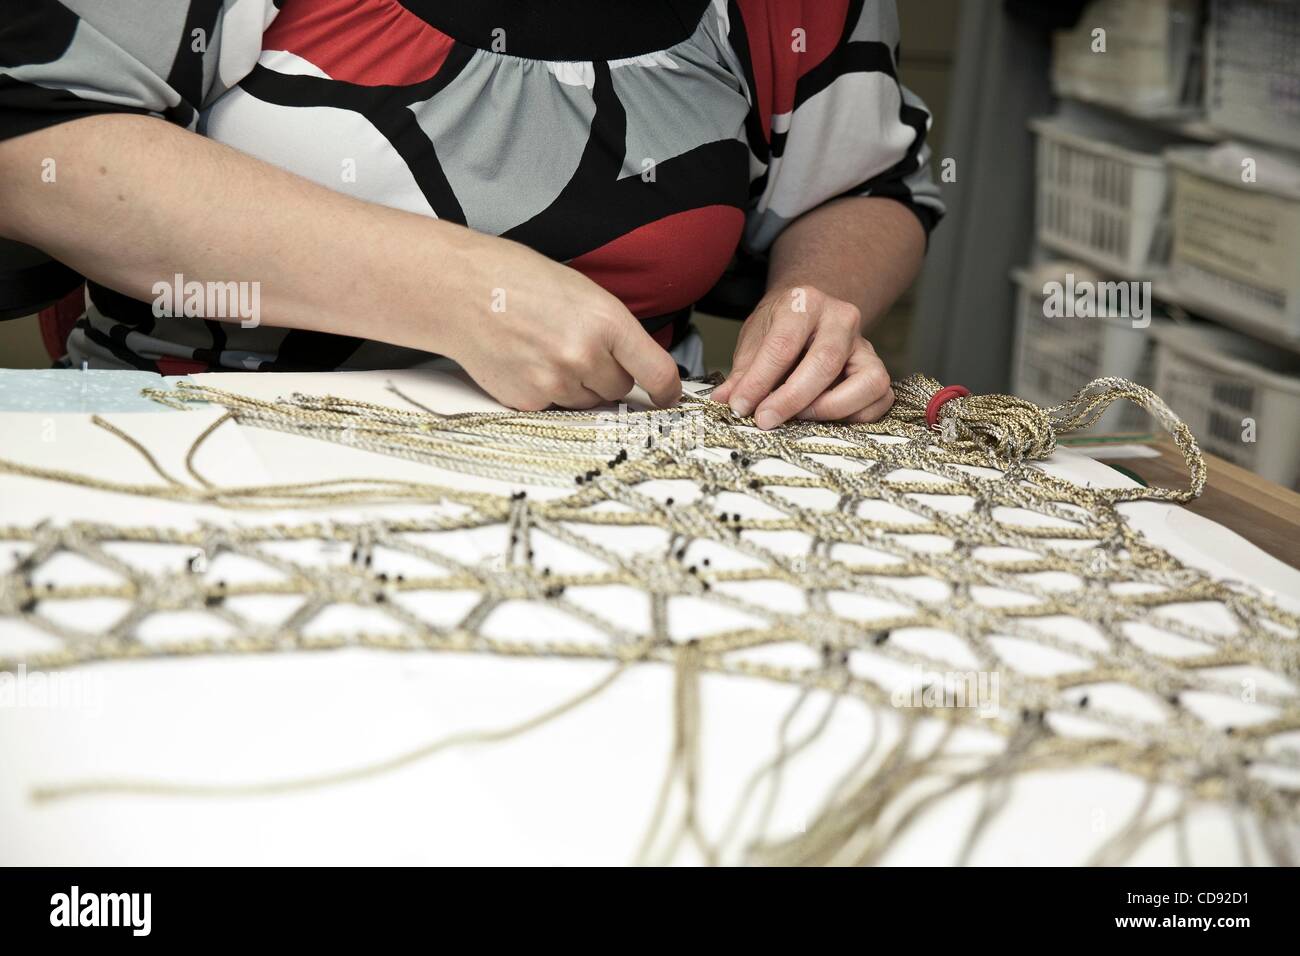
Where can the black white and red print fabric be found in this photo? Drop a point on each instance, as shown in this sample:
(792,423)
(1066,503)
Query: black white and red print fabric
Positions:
(641,143)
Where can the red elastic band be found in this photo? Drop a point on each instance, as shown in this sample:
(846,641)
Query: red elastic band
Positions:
(941,396)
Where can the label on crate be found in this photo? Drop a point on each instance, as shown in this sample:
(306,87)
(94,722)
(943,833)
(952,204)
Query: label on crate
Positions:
(1234,233)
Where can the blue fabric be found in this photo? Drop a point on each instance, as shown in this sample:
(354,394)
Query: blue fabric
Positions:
(75,390)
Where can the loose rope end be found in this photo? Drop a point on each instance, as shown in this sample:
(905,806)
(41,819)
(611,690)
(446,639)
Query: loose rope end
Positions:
(1012,429)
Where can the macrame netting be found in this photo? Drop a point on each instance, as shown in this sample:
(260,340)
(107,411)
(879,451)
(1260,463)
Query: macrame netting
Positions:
(960,506)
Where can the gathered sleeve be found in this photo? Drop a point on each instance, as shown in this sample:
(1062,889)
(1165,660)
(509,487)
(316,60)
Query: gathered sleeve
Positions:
(829,117)
(65,59)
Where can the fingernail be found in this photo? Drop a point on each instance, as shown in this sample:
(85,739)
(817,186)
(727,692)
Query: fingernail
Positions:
(741,408)
(766,418)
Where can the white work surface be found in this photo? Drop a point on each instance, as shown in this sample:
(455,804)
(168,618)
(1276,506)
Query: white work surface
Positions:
(578,790)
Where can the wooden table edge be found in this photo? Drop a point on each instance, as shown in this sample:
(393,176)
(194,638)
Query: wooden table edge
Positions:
(1263,512)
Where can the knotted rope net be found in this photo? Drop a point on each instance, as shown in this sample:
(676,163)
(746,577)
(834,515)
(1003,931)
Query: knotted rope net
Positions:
(888,535)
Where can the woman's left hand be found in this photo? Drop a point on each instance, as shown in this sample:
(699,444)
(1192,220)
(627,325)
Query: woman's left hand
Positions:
(801,354)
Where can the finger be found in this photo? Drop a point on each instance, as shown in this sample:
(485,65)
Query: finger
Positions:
(876,410)
(578,396)
(720,393)
(723,392)
(826,358)
(751,336)
(866,381)
(608,380)
(643,359)
(776,355)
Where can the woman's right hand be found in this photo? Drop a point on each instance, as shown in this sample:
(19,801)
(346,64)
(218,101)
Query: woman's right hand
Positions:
(530,331)
(547,335)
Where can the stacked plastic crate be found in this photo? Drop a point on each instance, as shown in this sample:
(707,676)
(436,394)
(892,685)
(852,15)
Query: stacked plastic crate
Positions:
(1141,178)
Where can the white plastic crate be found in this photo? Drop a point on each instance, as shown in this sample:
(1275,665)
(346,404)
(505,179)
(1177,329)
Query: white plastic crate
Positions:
(1253,69)
(1235,244)
(1223,385)
(1103,192)
(1055,357)
(1149,66)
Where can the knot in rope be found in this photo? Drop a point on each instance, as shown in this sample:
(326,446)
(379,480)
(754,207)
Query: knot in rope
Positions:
(1008,427)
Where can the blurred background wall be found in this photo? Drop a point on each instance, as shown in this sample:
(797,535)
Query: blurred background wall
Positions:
(20,344)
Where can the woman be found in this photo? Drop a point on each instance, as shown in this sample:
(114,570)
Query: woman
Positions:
(608,159)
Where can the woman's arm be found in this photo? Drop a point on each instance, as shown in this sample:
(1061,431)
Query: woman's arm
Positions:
(834,271)
(838,123)
(863,250)
(135,200)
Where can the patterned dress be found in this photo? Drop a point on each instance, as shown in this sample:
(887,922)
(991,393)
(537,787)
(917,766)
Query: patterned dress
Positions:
(644,144)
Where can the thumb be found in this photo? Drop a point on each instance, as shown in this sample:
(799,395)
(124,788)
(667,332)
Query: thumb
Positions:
(647,362)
